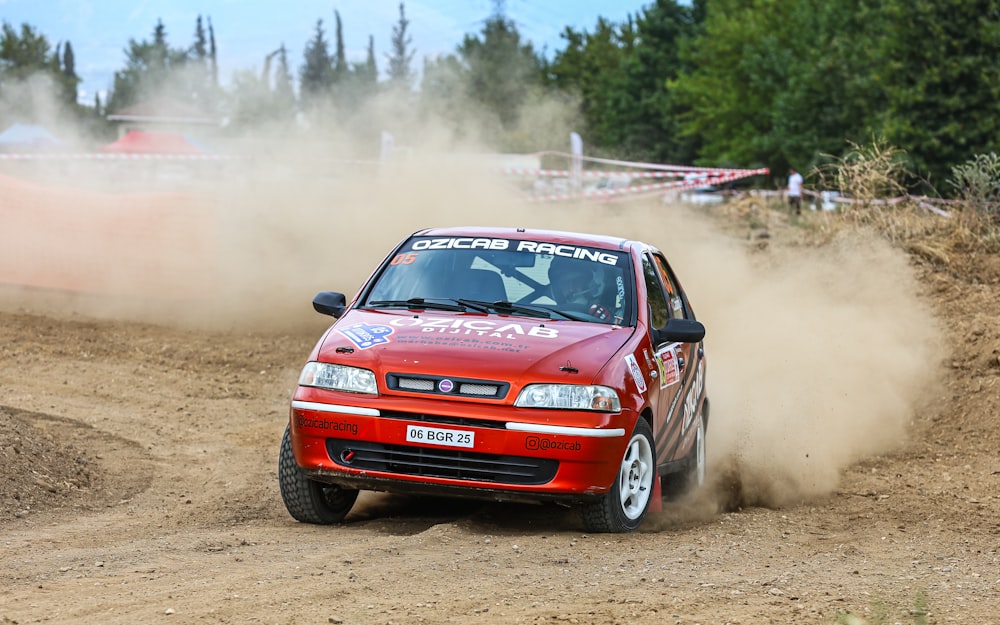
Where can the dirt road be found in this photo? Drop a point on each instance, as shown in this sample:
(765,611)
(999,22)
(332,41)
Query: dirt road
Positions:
(139,486)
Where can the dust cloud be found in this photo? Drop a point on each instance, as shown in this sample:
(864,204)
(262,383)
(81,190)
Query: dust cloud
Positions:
(817,356)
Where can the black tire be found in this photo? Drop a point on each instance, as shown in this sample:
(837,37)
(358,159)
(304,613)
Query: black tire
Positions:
(693,475)
(625,506)
(307,500)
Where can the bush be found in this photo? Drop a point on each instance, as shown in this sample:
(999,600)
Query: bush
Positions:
(978,183)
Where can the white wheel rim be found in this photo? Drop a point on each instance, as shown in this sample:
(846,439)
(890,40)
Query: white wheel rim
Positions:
(636,477)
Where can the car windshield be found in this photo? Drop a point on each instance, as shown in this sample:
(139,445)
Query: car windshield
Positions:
(509,277)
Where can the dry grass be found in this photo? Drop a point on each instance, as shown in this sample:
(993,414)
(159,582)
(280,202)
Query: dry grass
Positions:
(871,176)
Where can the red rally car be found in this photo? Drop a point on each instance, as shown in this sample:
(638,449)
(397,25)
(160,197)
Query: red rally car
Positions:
(503,364)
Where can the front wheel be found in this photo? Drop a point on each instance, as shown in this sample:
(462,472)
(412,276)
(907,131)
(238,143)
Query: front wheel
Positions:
(307,500)
(625,506)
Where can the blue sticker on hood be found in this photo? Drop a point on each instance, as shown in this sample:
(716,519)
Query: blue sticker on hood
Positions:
(366,335)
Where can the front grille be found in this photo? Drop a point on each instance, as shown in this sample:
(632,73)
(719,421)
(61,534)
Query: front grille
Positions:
(443,463)
(447,386)
(484,390)
(444,420)
(413,384)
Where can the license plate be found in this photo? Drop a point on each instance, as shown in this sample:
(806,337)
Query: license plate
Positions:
(440,436)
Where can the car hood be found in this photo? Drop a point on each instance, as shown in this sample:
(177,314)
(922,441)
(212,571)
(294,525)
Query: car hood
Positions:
(490,347)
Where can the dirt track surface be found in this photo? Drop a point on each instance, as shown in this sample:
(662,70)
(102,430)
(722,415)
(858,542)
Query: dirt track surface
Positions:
(139,485)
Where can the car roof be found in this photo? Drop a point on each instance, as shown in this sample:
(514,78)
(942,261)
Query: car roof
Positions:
(536,234)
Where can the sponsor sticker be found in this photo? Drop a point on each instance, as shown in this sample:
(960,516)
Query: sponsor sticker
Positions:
(636,372)
(366,335)
(666,360)
(322,424)
(537,443)
(694,394)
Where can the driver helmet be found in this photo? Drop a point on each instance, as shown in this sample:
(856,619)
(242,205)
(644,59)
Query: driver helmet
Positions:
(573,282)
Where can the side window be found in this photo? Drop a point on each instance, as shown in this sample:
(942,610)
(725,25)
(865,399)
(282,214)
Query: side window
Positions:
(654,292)
(675,304)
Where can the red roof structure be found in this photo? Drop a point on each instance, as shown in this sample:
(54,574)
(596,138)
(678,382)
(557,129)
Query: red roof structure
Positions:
(145,142)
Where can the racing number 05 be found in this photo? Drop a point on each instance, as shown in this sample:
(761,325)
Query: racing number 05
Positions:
(404,259)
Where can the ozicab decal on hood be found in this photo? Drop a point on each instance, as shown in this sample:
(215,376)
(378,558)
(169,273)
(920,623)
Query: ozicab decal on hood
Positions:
(366,335)
(476,327)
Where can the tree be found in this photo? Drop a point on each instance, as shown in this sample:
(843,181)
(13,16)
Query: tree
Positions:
(199,49)
(256,99)
(369,72)
(501,69)
(340,57)
(25,53)
(399,71)
(22,53)
(939,68)
(200,78)
(212,54)
(284,91)
(646,122)
(590,66)
(316,74)
(70,81)
(148,67)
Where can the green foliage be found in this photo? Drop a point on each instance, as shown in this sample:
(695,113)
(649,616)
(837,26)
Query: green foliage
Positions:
(339,57)
(715,82)
(267,98)
(316,74)
(590,67)
(977,181)
(399,70)
(938,66)
(154,67)
(22,52)
(25,54)
(483,89)
(621,74)
(501,69)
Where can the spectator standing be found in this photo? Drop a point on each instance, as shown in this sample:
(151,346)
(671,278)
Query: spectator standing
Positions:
(795,191)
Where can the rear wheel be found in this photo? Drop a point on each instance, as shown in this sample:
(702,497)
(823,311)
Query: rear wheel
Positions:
(625,506)
(305,499)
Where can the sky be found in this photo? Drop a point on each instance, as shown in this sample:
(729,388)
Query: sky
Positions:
(247,30)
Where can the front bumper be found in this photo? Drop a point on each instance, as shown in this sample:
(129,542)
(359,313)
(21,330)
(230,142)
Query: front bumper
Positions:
(504,453)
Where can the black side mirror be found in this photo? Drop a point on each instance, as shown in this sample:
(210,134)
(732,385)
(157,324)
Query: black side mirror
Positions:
(330,303)
(679,331)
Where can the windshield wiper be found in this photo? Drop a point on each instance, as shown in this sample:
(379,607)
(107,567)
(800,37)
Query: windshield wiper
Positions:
(462,305)
(476,305)
(533,310)
(417,302)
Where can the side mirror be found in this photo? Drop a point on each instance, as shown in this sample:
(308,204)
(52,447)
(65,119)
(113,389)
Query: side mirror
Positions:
(679,331)
(330,303)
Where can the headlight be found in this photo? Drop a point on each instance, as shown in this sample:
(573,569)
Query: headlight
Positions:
(569,397)
(338,378)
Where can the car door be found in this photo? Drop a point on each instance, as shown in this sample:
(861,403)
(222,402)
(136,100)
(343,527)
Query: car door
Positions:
(673,361)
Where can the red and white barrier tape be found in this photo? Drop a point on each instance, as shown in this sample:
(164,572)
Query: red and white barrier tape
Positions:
(677,185)
(562,173)
(108,156)
(654,166)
